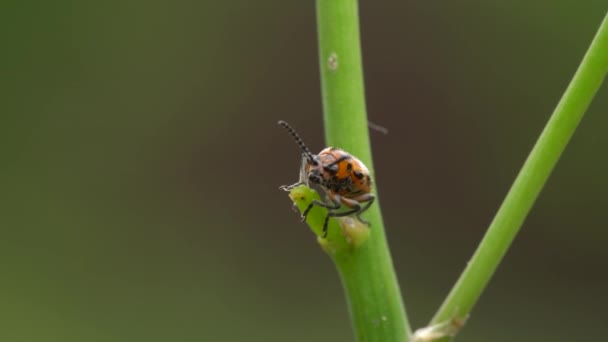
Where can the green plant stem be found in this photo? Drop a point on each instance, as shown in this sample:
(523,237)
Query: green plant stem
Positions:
(530,180)
(367,273)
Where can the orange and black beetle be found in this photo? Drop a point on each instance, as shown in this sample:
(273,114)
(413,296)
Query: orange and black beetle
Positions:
(344,179)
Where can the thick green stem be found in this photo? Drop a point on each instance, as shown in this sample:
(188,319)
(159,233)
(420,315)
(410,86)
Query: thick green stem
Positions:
(367,273)
(530,181)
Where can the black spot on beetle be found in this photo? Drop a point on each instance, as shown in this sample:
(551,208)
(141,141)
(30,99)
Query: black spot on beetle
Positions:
(358,174)
(331,169)
(349,167)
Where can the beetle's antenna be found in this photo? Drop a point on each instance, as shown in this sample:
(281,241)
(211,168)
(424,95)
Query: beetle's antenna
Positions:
(299,141)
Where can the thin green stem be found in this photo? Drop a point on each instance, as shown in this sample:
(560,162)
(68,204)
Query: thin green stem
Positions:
(367,273)
(530,180)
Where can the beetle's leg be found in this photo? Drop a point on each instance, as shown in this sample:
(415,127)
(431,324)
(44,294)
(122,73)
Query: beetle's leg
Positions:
(303,180)
(369,198)
(336,199)
(355,204)
(290,187)
(335,204)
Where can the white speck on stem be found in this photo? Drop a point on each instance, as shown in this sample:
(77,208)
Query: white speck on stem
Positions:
(332,61)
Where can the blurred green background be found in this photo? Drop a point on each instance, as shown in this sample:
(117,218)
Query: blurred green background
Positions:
(141,161)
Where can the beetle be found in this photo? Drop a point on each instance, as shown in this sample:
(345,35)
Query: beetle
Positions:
(344,180)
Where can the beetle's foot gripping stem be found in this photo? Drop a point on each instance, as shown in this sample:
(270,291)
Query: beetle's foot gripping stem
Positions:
(290,187)
(365,222)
